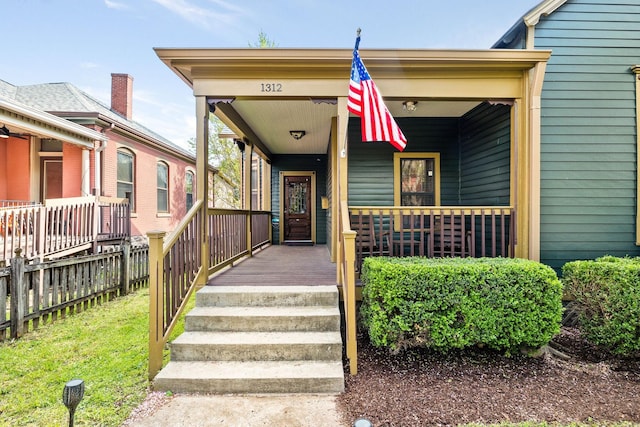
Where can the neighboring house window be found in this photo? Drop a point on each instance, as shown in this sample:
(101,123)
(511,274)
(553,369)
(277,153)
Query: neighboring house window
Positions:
(416,180)
(163,187)
(189,189)
(126,184)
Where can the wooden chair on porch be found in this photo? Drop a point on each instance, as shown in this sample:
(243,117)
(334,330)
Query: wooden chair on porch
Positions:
(452,239)
(367,243)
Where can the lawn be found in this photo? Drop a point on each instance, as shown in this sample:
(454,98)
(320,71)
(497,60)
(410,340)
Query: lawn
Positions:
(106,346)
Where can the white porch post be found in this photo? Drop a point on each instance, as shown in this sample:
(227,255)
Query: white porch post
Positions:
(86,173)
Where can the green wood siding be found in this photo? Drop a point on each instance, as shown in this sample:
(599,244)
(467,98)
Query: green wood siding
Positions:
(588,147)
(485,156)
(371,164)
(474,158)
(311,163)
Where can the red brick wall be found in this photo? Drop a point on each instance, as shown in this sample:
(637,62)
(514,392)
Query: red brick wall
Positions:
(146,218)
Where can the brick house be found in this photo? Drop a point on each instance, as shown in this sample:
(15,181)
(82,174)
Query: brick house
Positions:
(116,160)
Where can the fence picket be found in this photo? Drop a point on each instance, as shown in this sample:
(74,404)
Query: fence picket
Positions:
(37,292)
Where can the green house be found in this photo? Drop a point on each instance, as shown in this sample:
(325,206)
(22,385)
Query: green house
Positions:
(588,125)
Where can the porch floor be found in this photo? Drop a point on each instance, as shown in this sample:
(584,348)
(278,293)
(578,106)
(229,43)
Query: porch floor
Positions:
(281,265)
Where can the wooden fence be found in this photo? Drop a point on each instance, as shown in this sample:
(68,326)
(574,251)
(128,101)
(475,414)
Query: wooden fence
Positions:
(33,292)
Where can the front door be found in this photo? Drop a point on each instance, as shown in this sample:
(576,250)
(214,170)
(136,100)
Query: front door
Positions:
(51,183)
(297,209)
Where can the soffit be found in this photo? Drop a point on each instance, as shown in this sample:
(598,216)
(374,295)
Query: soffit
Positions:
(234,76)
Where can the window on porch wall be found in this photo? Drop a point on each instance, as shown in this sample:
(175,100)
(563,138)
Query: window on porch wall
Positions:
(417,181)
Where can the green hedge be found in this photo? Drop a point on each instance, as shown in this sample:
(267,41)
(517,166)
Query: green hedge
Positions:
(451,303)
(607,293)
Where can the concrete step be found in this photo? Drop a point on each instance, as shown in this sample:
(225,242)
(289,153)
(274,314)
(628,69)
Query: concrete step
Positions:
(251,377)
(220,296)
(266,319)
(255,346)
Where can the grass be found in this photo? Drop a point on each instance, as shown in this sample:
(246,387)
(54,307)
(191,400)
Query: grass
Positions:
(106,346)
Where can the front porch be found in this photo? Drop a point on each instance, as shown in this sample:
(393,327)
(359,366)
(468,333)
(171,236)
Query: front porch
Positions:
(466,185)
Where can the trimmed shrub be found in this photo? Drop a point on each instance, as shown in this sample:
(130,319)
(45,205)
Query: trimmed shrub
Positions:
(607,293)
(453,303)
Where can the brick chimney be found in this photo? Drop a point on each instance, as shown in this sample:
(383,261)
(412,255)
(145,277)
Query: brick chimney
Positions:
(122,94)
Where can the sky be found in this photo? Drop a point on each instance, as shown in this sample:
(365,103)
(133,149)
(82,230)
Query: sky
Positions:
(83,41)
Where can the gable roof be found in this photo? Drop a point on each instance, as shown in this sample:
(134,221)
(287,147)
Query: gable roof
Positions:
(67,101)
(517,33)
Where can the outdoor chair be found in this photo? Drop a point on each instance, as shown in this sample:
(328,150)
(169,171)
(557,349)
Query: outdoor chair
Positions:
(367,243)
(451,239)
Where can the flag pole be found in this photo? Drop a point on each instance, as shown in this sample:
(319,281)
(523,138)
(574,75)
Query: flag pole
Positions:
(357,38)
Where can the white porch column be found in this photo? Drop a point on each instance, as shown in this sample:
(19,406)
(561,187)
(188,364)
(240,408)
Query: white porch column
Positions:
(86,173)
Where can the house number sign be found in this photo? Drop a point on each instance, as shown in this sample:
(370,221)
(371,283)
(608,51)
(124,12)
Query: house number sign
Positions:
(270,87)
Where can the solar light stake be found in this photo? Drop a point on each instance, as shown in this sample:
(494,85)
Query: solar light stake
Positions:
(71,397)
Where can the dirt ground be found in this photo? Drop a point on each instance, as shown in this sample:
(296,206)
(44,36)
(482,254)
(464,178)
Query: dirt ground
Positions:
(422,388)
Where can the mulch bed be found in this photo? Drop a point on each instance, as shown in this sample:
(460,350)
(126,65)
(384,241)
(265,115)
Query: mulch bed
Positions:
(423,388)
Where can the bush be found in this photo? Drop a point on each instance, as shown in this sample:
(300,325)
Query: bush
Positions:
(452,303)
(607,293)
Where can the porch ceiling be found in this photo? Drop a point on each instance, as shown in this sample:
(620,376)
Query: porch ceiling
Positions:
(271,120)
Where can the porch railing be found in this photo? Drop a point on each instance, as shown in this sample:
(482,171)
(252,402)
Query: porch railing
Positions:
(176,266)
(487,231)
(61,226)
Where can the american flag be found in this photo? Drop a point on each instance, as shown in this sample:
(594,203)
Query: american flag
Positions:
(366,101)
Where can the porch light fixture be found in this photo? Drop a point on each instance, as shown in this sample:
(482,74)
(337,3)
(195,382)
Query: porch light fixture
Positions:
(71,396)
(4,132)
(297,134)
(410,105)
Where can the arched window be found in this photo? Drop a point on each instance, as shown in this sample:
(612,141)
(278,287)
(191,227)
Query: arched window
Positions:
(189,189)
(163,187)
(126,177)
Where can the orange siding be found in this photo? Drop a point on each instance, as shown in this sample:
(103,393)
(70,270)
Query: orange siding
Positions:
(17,170)
(71,171)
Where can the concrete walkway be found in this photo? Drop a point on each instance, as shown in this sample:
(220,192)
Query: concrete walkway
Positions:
(299,410)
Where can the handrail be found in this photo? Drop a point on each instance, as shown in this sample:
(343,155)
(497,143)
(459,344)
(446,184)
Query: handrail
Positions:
(347,272)
(176,267)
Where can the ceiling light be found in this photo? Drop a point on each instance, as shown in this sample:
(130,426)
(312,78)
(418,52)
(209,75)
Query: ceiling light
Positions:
(410,105)
(297,134)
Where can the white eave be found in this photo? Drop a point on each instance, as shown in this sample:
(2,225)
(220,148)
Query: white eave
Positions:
(545,8)
(45,125)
